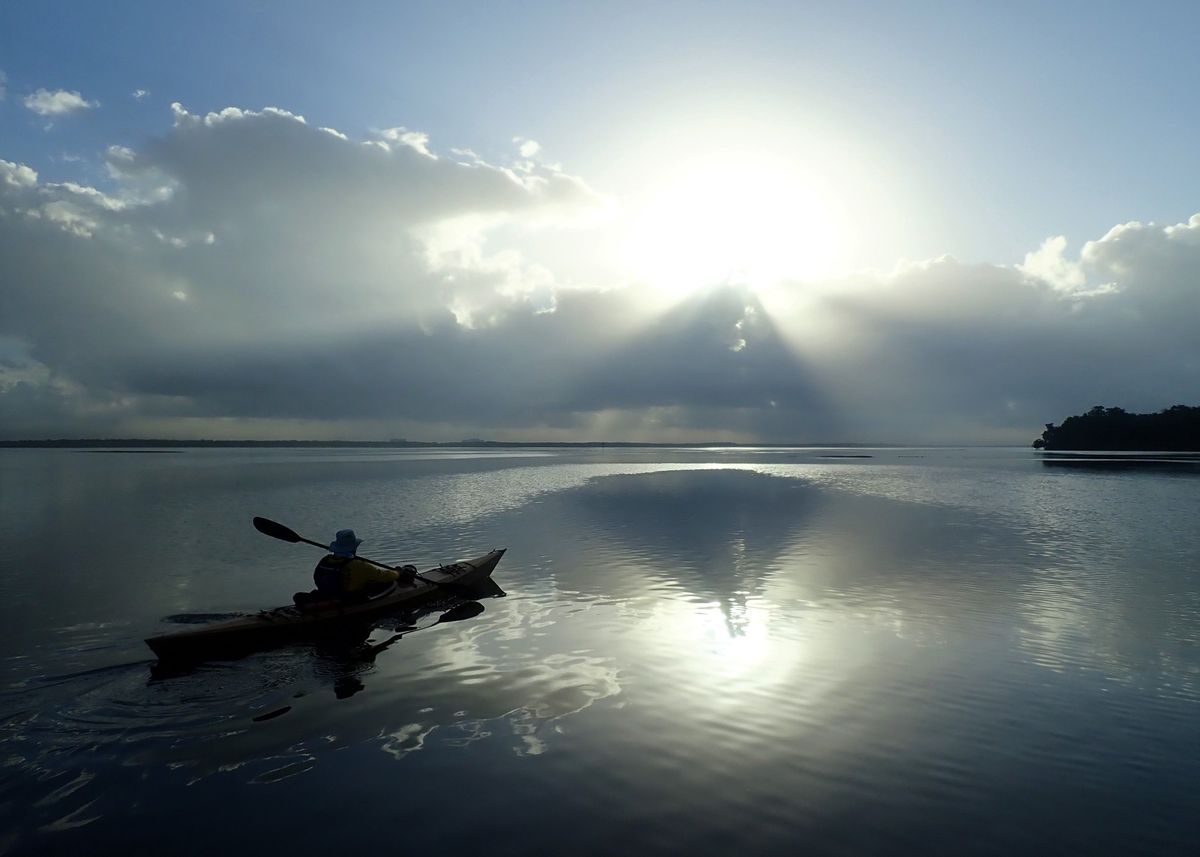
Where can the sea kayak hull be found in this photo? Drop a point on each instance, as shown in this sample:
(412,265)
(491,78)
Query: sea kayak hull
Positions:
(267,628)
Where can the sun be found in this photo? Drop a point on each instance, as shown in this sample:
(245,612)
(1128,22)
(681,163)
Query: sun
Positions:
(744,217)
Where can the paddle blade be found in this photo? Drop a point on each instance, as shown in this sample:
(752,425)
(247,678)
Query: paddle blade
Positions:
(454,614)
(463,611)
(275,530)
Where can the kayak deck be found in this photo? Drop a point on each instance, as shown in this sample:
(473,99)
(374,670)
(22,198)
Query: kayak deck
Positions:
(283,624)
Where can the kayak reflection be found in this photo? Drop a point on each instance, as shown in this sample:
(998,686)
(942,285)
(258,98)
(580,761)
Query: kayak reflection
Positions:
(359,659)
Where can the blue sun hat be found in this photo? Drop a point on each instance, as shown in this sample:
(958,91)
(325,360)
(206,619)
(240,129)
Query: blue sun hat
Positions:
(344,543)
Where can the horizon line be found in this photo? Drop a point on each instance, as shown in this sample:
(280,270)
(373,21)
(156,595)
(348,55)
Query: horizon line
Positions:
(88,442)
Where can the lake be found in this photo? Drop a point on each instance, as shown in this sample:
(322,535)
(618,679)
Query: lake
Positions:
(766,651)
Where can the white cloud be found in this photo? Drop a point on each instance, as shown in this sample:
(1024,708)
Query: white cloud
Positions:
(139,94)
(415,140)
(90,193)
(228,114)
(273,229)
(527,148)
(17,175)
(1049,263)
(59,102)
(72,218)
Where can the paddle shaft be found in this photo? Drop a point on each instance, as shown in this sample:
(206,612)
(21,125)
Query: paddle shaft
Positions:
(393,568)
(276,530)
(372,651)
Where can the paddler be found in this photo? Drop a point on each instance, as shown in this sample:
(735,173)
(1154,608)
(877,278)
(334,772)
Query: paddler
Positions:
(342,575)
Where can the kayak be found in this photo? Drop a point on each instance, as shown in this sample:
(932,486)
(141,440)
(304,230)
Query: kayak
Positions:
(294,622)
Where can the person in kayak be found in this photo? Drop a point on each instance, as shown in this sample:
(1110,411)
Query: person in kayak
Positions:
(342,575)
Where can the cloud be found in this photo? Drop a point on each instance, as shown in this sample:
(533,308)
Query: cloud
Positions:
(60,102)
(527,148)
(17,175)
(284,239)
(139,94)
(251,274)
(3,81)
(416,140)
(1050,264)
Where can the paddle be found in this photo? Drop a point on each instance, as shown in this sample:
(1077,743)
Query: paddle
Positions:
(468,610)
(276,530)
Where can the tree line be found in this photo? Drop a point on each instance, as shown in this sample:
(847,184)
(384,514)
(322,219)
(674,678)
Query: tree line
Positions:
(1175,429)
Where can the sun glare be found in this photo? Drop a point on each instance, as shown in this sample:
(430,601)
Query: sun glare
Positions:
(746,219)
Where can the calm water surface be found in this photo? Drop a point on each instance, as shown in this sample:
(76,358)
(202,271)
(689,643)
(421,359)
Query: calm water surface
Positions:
(750,652)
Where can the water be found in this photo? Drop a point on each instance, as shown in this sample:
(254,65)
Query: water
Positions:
(751,651)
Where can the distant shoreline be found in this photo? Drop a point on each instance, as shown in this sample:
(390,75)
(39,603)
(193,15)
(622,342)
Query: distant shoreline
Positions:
(164,443)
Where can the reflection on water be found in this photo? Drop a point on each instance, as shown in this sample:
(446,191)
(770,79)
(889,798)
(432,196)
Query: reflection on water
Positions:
(750,651)
(1183,463)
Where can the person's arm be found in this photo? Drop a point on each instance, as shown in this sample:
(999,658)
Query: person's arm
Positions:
(358,573)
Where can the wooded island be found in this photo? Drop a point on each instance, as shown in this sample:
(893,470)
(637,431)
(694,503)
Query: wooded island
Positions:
(1176,429)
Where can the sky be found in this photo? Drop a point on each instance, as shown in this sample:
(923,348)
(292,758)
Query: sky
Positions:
(653,221)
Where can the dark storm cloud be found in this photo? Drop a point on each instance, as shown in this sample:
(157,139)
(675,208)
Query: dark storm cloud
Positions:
(525,368)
